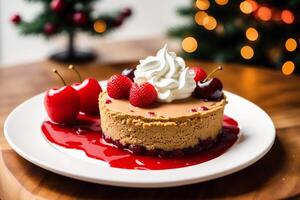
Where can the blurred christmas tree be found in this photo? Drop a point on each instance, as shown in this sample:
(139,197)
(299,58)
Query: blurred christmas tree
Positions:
(262,32)
(69,17)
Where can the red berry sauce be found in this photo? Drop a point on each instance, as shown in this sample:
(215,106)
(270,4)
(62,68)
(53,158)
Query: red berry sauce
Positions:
(108,101)
(193,110)
(86,135)
(204,108)
(151,114)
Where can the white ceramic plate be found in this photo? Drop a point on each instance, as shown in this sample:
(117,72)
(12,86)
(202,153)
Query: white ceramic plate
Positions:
(22,131)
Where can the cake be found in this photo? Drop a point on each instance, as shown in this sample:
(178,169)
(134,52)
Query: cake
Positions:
(165,112)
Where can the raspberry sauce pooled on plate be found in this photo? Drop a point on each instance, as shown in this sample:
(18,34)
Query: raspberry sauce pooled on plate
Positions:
(86,136)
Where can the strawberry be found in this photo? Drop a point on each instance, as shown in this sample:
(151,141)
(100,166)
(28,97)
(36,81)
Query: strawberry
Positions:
(142,95)
(118,87)
(200,74)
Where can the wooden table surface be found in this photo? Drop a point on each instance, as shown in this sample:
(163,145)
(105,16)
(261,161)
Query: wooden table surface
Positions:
(275,176)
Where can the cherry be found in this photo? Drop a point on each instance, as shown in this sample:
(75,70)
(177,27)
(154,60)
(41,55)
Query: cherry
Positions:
(129,72)
(80,18)
(126,12)
(49,28)
(16,19)
(62,105)
(200,74)
(209,88)
(88,91)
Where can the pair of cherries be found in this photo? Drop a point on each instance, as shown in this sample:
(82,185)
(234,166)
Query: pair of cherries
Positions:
(64,104)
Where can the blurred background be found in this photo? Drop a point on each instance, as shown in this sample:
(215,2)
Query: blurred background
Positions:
(148,20)
(261,33)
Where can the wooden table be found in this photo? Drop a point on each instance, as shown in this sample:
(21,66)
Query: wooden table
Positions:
(275,176)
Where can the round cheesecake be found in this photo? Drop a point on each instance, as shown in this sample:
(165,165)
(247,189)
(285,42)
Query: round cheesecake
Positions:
(161,116)
(181,124)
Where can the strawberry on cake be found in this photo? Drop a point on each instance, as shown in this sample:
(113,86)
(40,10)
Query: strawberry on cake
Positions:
(162,108)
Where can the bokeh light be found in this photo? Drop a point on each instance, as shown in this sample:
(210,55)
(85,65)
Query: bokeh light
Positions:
(264,13)
(202,4)
(200,16)
(220,29)
(288,68)
(100,26)
(221,2)
(246,7)
(189,44)
(253,5)
(247,52)
(287,16)
(210,23)
(251,34)
(291,44)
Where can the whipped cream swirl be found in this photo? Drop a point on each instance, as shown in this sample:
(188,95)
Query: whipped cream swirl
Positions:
(168,74)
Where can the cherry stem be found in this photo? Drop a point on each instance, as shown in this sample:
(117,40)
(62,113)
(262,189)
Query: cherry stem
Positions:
(77,72)
(212,72)
(56,72)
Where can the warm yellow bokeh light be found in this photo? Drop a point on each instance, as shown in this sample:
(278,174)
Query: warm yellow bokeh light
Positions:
(99,26)
(247,52)
(200,16)
(253,5)
(189,44)
(251,34)
(290,44)
(221,2)
(246,7)
(210,23)
(202,4)
(288,68)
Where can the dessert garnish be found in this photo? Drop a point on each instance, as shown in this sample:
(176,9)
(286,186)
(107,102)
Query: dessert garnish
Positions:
(204,108)
(193,110)
(151,114)
(200,74)
(209,88)
(118,87)
(62,104)
(108,101)
(129,72)
(169,77)
(139,95)
(88,91)
(142,95)
(168,74)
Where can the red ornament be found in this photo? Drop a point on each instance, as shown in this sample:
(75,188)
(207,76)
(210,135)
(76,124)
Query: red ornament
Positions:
(16,19)
(79,18)
(126,12)
(49,28)
(57,5)
(118,21)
